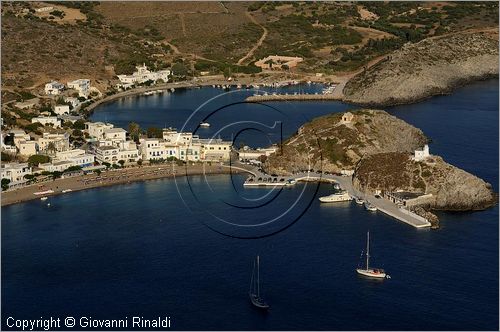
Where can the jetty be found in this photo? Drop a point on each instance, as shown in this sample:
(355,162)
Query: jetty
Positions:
(297,97)
(382,204)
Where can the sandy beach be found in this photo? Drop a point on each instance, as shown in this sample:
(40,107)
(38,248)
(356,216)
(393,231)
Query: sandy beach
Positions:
(110,178)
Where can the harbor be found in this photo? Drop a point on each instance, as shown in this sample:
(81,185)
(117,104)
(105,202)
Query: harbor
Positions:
(345,183)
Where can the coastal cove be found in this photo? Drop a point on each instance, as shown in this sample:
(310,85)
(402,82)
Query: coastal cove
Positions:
(144,245)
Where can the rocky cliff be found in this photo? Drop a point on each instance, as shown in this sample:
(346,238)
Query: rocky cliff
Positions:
(338,141)
(379,148)
(451,187)
(430,67)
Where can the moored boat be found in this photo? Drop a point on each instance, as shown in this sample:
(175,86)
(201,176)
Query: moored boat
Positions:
(370,207)
(336,197)
(205,124)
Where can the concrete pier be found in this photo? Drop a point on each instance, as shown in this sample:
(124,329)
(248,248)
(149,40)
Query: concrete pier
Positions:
(298,97)
(383,205)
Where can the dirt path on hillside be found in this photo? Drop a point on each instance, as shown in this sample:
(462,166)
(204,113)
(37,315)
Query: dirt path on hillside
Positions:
(259,42)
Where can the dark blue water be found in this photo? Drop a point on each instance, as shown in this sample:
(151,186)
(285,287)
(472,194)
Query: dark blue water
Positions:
(138,250)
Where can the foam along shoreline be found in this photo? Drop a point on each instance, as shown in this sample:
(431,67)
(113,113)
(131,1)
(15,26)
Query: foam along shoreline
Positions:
(110,178)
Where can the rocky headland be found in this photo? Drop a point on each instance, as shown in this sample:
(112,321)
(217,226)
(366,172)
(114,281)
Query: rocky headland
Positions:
(379,148)
(430,67)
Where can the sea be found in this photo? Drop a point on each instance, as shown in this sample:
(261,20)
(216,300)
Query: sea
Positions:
(184,248)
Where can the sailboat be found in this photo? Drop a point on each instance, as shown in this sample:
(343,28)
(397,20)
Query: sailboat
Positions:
(371,272)
(254,292)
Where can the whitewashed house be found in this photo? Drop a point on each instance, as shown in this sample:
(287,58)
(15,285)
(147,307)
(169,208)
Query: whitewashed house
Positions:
(61,109)
(214,149)
(107,154)
(54,88)
(118,134)
(80,85)
(27,148)
(96,129)
(77,157)
(15,172)
(143,74)
(47,120)
(56,166)
(59,141)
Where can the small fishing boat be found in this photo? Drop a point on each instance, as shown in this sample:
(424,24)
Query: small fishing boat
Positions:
(371,272)
(43,198)
(359,201)
(370,207)
(67,190)
(254,292)
(205,124)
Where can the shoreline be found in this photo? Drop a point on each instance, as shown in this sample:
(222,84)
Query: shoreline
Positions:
(112,178)
(192,84)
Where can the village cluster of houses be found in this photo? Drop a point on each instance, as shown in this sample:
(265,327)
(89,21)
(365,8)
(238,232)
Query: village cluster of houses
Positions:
(142,75)
(107,145)
(82,86)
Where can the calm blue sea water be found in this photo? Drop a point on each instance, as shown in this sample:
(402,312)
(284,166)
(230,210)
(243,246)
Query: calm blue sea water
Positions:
(145,249)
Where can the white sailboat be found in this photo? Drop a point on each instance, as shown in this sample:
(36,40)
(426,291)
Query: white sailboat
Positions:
(254,292)
(371,272)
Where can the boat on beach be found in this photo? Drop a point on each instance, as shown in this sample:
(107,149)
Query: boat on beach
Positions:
(254,292)
(371,272)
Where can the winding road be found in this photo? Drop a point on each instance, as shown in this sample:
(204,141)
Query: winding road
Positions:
(259,42)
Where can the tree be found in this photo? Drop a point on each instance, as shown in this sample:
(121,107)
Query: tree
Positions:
(7,157)
(121,162)
(73,169)
(135,131)
(154,132)
(5,184)
(108,165)
(77,132)
(179,69)
(79,124)
(51,147)
(56,175)
(139,162)
(37,159)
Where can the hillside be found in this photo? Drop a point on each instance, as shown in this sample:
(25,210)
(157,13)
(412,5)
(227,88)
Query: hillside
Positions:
(451,187)
(378,147)
(331,144)
(97,40)
(429,67)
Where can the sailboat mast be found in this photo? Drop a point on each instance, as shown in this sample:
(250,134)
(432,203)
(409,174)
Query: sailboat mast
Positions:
(258,276)
(367,250)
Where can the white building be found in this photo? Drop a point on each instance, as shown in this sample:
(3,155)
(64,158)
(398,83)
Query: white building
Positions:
(143,74)
(118,134)
(77,157)
(44,9)
(171,136)
(96,129)
(254,154)
(57,166)
(421,154)
(214,149)
(27,148)
(61,109)
(73,101)
(59,141)
(15,172)
(47,120)
(54,88)
(80,85)
(107,154)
